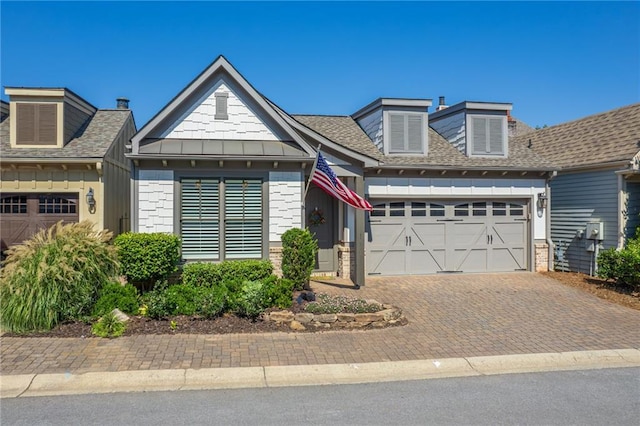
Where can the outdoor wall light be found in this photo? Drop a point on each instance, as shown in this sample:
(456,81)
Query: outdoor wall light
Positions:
(542,200)
(91,201)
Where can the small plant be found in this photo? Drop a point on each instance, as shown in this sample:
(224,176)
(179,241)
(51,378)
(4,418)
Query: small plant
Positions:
(147,258)
(115,295)
(326,304)
(251,300)
(173,325)
(55,276)
(108,326)
(142,310)
(299,249)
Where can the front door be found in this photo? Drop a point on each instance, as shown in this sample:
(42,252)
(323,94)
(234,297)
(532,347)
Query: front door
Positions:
(320,214)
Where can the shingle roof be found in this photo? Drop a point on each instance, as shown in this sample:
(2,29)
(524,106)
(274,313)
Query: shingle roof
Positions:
(602,138)
(92,140)
(345,131)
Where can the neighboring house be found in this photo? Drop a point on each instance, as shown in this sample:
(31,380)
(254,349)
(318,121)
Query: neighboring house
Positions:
(225,169)
(598,182)
(62,159)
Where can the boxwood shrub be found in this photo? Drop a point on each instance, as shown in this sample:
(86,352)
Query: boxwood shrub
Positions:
(211,274)
(115,295)
(147,258)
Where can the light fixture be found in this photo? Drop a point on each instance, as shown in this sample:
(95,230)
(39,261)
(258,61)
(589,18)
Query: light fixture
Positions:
(91,201)
(542,200)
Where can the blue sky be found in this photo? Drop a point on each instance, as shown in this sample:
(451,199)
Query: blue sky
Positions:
(554,61)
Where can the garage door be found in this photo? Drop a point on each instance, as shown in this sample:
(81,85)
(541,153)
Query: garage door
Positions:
(418,237)
(22,215)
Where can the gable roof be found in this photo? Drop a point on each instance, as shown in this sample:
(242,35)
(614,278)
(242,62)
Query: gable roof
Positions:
(609,137)
(92,141)
(441,154)
(220,65)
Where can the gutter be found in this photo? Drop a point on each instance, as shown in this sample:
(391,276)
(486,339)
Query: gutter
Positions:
(550,245)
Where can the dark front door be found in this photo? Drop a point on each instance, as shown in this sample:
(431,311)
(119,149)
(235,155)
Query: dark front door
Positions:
(321,209)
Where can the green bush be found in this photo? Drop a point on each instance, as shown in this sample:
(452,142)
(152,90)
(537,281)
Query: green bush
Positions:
(115,295)
(210,274)
(183,299)
(213,301)
(623,266)
(55,276)
(108,326)
(147,258)
(278,292)
(251,301)
(299,249)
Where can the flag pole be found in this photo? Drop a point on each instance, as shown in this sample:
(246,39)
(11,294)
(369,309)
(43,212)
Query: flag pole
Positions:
(313,170)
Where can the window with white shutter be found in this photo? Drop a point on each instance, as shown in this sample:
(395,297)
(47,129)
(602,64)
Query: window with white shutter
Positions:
(200,219)
(406,133)
(243,218)
(488,136)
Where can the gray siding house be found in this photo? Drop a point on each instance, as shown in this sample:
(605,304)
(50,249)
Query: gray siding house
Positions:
(598,184)
(225,168)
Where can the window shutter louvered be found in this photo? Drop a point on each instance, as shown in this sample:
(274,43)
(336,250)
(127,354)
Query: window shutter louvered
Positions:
(243,218)
(396,132)
(221,106)
(495,136)
(26,124)
(47,124)
(200,219)
(414,133)
(479,144)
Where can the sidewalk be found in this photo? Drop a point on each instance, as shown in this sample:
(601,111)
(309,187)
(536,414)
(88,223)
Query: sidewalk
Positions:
(462,316)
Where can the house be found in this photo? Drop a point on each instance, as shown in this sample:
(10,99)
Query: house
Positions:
(62,159)
(225,168)
(598,184)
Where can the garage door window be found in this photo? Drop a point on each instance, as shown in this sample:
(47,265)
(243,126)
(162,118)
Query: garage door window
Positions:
(516,210)
(418,209)
(396,209)
(15,204)
(378,210)
(50,204)
(479,209)
(461,210)
(436,210)
(499,209)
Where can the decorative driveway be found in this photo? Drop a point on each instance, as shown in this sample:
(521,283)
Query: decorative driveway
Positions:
(449,316)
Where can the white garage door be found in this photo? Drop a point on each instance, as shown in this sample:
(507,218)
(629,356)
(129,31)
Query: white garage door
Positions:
(418,237)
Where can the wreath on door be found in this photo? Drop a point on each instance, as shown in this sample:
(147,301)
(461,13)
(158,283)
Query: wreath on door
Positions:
(316,217)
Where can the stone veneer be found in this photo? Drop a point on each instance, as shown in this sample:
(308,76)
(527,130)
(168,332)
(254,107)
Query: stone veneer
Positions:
(390,315)
(542,257)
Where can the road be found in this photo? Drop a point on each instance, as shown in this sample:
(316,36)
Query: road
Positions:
(590,397)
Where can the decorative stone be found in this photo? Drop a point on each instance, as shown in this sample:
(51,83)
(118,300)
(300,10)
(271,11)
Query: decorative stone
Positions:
(391,314)
(295,325)
(326,318)
(346,317)
(379,324)
(121,316)
(304,318)
(281,316)
(356,324)
(372,317)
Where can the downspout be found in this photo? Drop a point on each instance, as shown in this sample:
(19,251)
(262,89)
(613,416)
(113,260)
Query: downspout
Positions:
(621,203)
(550,245)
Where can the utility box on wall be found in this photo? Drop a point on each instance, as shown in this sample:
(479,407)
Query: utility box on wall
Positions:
(595,231)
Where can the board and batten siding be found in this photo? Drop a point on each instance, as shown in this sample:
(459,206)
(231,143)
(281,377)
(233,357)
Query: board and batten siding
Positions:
(241,123)
(456,188)
(285,203)
(576,199)
(155,201)
(453,129)
(372,126)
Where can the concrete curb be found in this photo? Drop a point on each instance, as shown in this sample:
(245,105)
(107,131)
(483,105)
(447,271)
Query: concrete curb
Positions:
(14,386)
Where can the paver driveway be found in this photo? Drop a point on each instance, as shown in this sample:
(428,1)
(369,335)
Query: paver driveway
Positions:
(449,316)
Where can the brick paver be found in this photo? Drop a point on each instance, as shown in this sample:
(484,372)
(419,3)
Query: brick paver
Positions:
(449,316)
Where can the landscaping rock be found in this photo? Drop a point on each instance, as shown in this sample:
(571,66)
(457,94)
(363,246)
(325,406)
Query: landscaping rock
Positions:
(346,317)
(304,318)
(369,318)
(297,326)
(121,316)
(326,318)
(281,316)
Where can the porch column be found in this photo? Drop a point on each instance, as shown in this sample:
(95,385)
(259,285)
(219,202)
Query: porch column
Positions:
(359,237)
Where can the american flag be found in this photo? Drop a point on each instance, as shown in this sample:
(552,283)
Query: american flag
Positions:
(326,179)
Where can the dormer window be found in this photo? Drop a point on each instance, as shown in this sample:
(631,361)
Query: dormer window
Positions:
(488,135)
(36,124)
(405,133)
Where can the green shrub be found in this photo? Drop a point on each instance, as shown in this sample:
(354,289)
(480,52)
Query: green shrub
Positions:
(115,295)
(147,258)
(210,274)
(183,299)
(213,301)
(251,301)
(326,304)
(156,303)
(278,292)
(623,266)
(108,326)
(299,249)
(55,276)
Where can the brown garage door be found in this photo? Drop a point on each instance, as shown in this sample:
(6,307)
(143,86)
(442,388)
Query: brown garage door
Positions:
(22,215)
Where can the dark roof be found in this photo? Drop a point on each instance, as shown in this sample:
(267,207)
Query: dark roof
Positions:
(345,131)
(602,138)
(92,141)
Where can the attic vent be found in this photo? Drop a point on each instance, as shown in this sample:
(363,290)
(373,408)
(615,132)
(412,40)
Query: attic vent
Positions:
(488,136)
(221,106)
(36,124)
(405,133)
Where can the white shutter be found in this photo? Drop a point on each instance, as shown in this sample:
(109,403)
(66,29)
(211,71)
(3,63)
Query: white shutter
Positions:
(496,136)
(414,133)
(200,219)
(479,142)
(243,218)
(396,133)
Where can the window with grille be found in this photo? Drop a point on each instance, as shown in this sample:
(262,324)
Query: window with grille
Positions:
(13,204)
(55,204)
